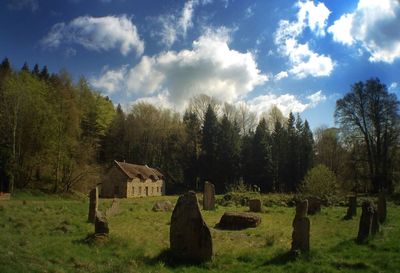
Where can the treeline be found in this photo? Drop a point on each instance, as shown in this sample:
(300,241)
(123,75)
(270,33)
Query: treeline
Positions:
(59,135)
(51,129)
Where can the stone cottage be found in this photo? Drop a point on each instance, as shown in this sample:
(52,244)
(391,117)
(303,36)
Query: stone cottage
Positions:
(125,180)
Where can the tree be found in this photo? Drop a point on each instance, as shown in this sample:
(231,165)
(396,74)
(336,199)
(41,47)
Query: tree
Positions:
(370,113)
(328,149)
(208,170)
(260,172)
(190,163)
(228,153)
(35,71)
(320,182)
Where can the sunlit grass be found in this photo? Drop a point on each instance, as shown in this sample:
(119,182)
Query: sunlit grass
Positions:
(46,235)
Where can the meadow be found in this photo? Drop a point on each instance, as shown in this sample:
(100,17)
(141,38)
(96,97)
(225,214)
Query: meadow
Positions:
(42,233)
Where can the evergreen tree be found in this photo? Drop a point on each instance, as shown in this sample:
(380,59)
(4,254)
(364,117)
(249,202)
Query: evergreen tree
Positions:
(228,153)
(192,150)
(44,74)
(25,67)
(208,170)
(261,166)
(279,155)
(35,71)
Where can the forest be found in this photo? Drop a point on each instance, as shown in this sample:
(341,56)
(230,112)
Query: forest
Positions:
(57,135)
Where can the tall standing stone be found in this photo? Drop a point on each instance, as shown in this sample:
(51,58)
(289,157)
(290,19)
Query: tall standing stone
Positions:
(382,210)
(93,204)
(352,208)
(209,196)
(369,224)
(190,238)
(301,228)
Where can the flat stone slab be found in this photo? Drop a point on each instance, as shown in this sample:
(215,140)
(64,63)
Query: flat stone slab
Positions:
(238,220)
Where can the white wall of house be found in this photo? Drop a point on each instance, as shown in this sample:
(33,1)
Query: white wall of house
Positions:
(148,187)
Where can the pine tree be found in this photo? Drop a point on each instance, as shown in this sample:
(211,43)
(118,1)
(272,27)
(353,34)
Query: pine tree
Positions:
(190,162)
(44,74)
(35,71)
(228,152)
(261,162)
(209,142)
(25,67)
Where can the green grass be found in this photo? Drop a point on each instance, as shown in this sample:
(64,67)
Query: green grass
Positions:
(46,233)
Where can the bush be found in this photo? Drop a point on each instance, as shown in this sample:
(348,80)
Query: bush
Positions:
(320,182)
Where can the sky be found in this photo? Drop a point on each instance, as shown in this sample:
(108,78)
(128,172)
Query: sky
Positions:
(301,56)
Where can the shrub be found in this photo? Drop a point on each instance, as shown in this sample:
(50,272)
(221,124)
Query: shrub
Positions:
(320,182)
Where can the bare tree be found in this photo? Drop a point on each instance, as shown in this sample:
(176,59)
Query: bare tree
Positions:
(371,112)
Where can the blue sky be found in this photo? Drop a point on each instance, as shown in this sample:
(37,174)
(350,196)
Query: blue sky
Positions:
(299,55)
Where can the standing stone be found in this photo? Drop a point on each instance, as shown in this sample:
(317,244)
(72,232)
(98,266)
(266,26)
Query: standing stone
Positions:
(314,205)
(101,224)
(382,210)
(301,228)
(369,224)
(113,209)
(255,205)
(209,196)
(93,204)
(190,238)
(352,208)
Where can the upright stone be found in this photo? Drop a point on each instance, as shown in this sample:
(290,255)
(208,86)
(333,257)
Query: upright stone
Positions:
(93,204)
(352,208)
(301,228)
(314,205)
(113,209)
(190,238)
(101,224)
(382,210)
(368,222)
(209,196)
(255,205)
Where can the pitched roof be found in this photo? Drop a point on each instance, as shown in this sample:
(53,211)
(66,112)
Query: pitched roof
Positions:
(140,171)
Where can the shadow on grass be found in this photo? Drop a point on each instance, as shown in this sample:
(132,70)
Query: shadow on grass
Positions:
(282,258)
(166,257)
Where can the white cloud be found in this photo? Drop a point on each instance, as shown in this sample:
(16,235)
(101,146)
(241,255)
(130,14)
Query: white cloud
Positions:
(313,16)
(281,75)
(373,25)
(286,103)
(249,11)
(97,33)
(110,80)
(210,67)
(393,87)
(341,30)
(176,25)
(316,98)
(304,61)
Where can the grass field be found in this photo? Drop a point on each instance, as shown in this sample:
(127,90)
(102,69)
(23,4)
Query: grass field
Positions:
(46,233)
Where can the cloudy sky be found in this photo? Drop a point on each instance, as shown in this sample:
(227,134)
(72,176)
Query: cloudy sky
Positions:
(299,55)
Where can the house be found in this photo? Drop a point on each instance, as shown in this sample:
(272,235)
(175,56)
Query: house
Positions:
(125,180)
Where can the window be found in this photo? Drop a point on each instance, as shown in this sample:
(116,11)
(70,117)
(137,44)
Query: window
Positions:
(133,190)
(140,190)
(158,189)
